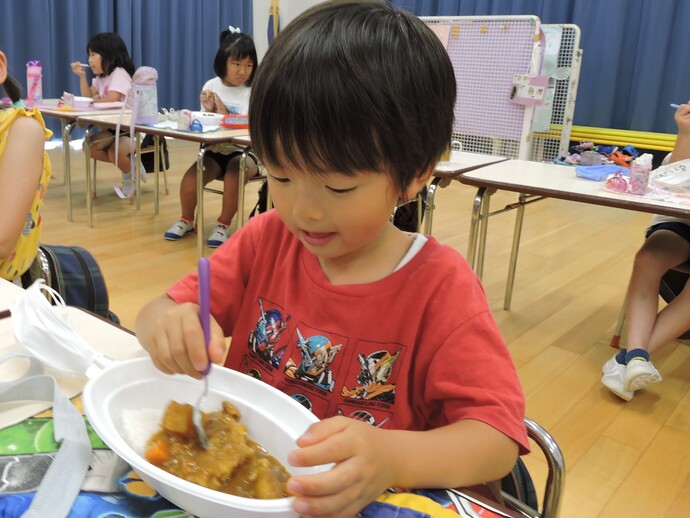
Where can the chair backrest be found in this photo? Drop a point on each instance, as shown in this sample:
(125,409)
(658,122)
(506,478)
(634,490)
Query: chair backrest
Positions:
(553,490)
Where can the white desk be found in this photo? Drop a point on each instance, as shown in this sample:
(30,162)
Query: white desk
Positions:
(446,171)
(237,136)
(537,180)
(104,336)
(68,120)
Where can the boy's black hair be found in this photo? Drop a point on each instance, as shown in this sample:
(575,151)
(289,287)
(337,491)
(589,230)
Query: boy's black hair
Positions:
(235,45)
(354,86)
(113,52)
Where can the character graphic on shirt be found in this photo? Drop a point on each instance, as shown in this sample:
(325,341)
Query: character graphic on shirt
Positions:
(264,338)
(317,354)
(365,417)
(375,370)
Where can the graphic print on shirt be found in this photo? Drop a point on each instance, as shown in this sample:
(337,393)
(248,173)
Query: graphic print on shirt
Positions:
(313,361)
(374,378)
(372,416)
(264,338)
(234,109)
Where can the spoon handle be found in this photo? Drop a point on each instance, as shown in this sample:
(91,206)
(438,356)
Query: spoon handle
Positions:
(204,270)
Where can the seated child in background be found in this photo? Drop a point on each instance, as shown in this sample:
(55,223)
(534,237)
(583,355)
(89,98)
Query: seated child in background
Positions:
(667,245)
(327,300)
(24,176)
(228,93)
(113,69)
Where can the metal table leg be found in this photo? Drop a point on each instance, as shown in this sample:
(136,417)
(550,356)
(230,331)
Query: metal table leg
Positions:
(200,202)
(66,163)
(87,157)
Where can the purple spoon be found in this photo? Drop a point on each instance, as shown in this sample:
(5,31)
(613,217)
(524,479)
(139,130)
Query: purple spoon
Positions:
(204,283)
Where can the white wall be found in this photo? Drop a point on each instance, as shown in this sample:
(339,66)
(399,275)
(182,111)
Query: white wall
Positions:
(288,11)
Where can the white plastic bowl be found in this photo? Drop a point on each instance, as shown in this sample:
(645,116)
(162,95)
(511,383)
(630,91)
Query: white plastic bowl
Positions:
(273,419)
(208,119)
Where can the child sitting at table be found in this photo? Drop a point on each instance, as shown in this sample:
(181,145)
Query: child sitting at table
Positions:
(24,176)
(667,244)
(227,93)
(113,69)
(327,300)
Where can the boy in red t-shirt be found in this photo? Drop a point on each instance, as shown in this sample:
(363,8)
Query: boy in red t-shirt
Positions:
(327,300)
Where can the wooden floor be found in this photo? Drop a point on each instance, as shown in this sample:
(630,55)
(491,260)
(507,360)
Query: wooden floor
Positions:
(623,459)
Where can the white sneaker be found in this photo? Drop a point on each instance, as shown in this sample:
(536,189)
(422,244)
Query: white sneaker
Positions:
(126,190)
(612,379)
(219,236)
(179,229)
(639,374)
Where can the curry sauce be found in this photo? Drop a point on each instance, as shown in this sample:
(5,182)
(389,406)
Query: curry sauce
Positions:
(232,464)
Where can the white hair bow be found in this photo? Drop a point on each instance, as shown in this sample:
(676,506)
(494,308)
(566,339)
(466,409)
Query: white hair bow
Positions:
(235,30)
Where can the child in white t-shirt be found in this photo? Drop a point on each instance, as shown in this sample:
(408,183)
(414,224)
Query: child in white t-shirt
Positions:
(227,93)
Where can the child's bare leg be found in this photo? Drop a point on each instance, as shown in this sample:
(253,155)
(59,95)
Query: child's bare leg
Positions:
(188,186)
(99,144)
(231,185)
(124,150)
(672,321)
(661,251)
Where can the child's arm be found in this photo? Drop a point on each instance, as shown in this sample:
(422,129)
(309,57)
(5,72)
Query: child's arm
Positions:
(112,96)
(681,150)
(369,460)
(21,165)
(84,89)
(172,335)
(208,100)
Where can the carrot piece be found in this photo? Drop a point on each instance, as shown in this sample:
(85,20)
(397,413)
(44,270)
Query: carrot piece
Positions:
(158,453)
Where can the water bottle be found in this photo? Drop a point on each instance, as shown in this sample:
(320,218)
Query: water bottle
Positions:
(145,109)
(34,83)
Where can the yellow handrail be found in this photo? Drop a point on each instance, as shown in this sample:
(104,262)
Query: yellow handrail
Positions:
(617,137)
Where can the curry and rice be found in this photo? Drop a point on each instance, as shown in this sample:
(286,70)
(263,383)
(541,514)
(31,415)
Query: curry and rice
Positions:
(232,464)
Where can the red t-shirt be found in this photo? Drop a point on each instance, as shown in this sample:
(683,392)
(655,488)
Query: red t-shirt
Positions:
(418,349)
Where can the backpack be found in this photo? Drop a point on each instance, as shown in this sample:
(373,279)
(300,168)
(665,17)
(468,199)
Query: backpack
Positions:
(148,159)
(519,484)
(74,273)
(262,203)
(405,215)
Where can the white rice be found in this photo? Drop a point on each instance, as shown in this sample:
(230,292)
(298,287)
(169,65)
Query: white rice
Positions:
(139,425)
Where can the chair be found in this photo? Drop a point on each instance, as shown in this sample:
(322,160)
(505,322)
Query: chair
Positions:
(261,176)
(553,489)
(671,284)
(142,151)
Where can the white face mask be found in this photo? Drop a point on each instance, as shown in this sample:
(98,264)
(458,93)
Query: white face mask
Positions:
(46,333)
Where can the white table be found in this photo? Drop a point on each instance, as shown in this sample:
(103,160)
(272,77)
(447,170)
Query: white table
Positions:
(534,181)
(445,171)
(104,336)
(236,136)
(68,120)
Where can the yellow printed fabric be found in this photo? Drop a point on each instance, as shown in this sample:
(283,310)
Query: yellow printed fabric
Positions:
(27,245)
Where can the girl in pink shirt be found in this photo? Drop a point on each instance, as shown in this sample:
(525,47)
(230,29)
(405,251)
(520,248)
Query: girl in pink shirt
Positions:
(113,69)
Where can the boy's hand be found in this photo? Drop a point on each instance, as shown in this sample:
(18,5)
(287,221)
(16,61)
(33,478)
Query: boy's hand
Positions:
(364,467)
(176,343)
